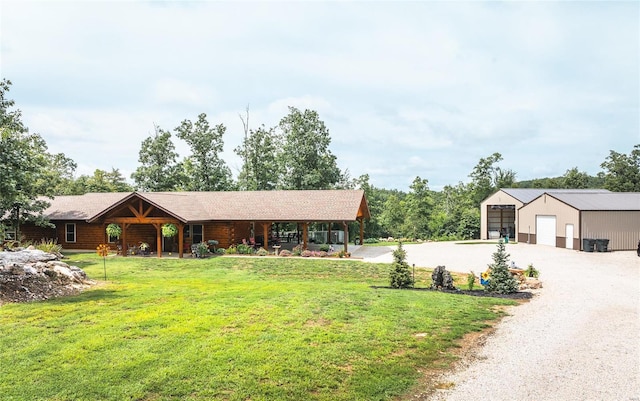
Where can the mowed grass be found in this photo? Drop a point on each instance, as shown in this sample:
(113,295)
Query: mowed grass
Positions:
(232,328)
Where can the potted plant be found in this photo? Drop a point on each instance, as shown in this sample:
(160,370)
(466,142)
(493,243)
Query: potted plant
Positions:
(114,230)
(169,230)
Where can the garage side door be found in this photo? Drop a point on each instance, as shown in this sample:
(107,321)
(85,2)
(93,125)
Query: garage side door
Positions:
(546,230)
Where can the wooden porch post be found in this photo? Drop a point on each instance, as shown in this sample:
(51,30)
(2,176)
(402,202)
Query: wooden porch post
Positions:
(305,235)
(125,247)
(265,234)
(158,227)
(180,240)
(346,236)
(329,233)
(361,230)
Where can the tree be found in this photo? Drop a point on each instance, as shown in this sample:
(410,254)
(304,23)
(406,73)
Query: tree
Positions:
(393,216)
(205,169)
(305,159)
(574,179)
(158,170)
(501,280)
(400,276)
(419,206)
(260,169)
(622,172)
(101,181)
(487,178)
(23,162)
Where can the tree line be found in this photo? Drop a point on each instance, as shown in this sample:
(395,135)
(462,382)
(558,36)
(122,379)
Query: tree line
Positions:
(295,154)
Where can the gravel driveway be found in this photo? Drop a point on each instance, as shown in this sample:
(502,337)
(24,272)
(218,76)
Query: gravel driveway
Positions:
(578,339)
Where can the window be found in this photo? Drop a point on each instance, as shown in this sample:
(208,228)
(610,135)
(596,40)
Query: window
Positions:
(70,232)
(9,233)
(112,240)
(197,233)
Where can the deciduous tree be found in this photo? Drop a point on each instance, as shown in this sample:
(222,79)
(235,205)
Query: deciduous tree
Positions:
(622,172)
(158,170)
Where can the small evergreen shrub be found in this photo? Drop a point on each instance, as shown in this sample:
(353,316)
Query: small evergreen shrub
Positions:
(371,241)
(244,249)
(501,280)
(400,276)
(232,250)
(531,271)
(220,251)
(324,247)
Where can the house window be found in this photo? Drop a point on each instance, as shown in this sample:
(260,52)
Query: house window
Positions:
(112,239)
(70,232)
(9,234)
(197,233)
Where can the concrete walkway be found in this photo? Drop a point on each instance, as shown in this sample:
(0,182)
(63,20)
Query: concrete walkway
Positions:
(578,339)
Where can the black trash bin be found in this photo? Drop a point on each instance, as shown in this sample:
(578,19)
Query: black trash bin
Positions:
(588,244)
(602,244)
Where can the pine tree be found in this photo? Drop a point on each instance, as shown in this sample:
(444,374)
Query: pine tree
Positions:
(501,281)
(400,274)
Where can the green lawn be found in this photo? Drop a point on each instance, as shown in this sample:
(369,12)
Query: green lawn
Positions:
(232,329)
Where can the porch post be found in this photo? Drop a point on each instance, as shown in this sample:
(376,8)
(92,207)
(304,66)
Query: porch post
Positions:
(158,239)
(329,233)
(361,230)
(305,235)
(265,234)
(346,235)
(180,240)
(125,247)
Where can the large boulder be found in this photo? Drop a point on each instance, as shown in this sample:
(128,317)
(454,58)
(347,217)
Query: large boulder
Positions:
(32,275)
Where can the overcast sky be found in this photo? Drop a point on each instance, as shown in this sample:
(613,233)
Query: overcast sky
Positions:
(406,89)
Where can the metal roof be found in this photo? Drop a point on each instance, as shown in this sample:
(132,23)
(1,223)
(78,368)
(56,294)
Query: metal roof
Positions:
(612,201)
(526,195)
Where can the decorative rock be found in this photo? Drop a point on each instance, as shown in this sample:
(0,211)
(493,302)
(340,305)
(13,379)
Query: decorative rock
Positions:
(25,256)
(441,279)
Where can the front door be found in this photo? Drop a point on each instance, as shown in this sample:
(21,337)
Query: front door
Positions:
(568,233)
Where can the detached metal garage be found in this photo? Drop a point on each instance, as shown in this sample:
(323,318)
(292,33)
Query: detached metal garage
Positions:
(500,211)
(564,219)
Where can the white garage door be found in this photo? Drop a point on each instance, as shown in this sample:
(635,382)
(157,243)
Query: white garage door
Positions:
(546,230)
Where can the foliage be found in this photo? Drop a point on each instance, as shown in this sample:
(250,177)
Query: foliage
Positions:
(202,249)
(297,250)
(169,230)
(23,161)
(501,280)
(371,240)
(400,275)
(622,172)
(206,170)
(158,169)
(231,250)
(244,249)
(114,230)
(260,169)
(262,252)
(531,271)
(418,206)
(48,245)
(324,247)
(471,280)
(304,157)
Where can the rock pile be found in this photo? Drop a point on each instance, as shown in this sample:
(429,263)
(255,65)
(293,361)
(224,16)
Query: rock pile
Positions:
(34,275)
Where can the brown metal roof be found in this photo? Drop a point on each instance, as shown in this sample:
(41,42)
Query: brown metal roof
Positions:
(310,205)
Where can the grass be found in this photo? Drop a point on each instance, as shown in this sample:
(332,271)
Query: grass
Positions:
(233,329)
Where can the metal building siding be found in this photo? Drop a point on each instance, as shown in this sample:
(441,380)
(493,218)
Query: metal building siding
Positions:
(621,228)
(546,205)
(499,198)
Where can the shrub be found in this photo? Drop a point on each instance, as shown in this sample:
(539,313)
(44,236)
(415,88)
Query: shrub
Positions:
(297,250)
(244,249)
(501,280)
(220,251)
(531,271)
(262,252)
(471,280)
(232,250)
(202,249)
(48,245)
(371,241)
(285,253)
(324,247)
(400,276)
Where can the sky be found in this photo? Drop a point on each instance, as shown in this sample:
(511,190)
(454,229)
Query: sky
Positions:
(405,89)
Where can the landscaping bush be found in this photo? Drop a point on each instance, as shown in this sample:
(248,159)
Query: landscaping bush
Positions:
(371,241)
(262,252)
(400,276)
(244,249)
(501,281)
(324,247)
(48,245)
(232,250)
(297,250)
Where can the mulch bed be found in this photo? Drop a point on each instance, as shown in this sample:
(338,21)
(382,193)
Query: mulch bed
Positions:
(473,293)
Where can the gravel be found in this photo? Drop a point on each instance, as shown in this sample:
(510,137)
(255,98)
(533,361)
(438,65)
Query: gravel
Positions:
(577,339)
